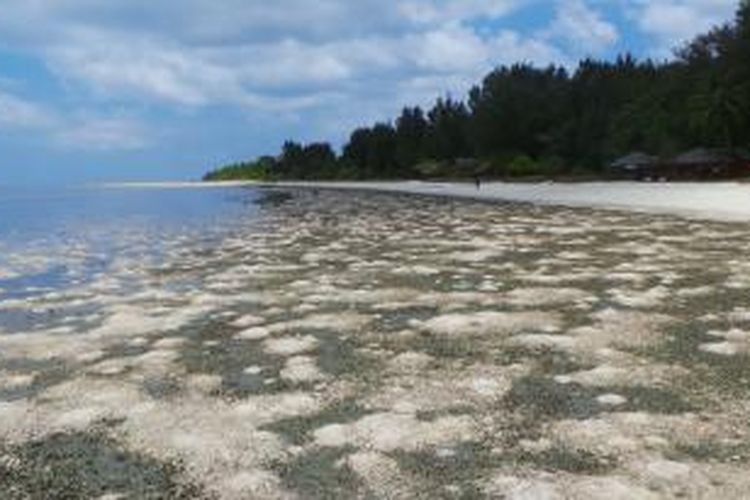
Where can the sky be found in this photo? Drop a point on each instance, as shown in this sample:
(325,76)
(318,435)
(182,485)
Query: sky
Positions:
(107,90)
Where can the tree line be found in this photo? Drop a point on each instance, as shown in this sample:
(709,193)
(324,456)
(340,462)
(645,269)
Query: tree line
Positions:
(523,120)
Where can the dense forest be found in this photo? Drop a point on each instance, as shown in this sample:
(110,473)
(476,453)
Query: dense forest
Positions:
(525,121)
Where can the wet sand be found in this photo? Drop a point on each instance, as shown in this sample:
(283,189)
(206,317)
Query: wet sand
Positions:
(343,345)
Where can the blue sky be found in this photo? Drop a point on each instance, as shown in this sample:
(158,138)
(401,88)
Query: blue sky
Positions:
(103,90)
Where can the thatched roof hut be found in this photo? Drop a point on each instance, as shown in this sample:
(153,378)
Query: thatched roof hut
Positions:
(634,161)
(703,162)
(702,156)
(635,165)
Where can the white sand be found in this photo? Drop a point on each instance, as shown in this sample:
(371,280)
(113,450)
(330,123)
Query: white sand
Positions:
(722,201)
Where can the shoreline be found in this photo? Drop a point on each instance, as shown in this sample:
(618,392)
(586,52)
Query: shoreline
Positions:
(720,201)
(172,185)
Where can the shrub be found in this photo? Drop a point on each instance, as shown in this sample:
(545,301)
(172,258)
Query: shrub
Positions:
(430,168)
(523,166)
(552,165)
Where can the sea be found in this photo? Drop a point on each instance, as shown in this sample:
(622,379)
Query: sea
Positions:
(53,238)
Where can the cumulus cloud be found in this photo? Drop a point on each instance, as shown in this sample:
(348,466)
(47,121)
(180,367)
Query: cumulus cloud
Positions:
(288,75)
(282,56)
(449,49)
(674,22)
(115,63)
(583,27)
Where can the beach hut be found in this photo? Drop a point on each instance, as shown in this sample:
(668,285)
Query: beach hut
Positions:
(705,163)
(635,165)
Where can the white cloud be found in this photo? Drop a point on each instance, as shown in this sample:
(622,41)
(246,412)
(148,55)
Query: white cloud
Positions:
(237,21)
(448,50)
(286,75)
(283,55)
(103,134)
(19,113)
(582,27)
(512,47)
(674,22)
(451,11)
(289,55)
(160,70)
(67,130)
(112,64)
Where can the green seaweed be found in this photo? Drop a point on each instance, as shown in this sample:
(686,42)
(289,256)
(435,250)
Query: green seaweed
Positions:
(84,465)
(298,430)
(321,474)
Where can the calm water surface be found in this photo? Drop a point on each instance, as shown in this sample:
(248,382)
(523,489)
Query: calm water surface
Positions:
(51,238)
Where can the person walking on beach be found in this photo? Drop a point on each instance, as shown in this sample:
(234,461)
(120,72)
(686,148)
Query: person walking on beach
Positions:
(478,182)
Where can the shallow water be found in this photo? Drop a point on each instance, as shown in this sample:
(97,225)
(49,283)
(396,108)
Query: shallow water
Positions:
(341,345)
(51,238)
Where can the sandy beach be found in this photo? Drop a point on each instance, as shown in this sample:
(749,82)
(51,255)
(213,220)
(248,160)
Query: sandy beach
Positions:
(729,201)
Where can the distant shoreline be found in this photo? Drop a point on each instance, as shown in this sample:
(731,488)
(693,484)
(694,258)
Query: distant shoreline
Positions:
(172,184)
(718,201)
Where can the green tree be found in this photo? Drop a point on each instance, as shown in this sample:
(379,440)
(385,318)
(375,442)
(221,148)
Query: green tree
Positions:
(411,138)
(448,130)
